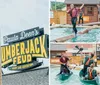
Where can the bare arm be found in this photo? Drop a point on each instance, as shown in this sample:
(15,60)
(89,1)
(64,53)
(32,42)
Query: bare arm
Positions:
(82,6)
(68,11)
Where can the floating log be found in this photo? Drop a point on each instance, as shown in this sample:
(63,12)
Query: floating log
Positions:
(63,39)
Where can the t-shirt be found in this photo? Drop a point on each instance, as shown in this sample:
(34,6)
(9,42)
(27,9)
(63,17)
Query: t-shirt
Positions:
(94,73)
(81,14)
(74,12)
(65,60)
(86,59)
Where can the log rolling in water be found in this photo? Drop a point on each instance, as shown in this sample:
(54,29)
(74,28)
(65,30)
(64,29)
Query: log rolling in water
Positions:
(63,39)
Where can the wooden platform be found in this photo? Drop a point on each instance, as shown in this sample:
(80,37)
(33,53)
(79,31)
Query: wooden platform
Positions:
(96,24)
(91,24)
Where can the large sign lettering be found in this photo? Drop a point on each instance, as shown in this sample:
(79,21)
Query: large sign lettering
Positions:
(23,35)
(23,52)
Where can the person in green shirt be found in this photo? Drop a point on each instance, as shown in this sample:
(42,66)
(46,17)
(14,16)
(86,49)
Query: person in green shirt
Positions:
(91,72)
(88,60)
(81,17)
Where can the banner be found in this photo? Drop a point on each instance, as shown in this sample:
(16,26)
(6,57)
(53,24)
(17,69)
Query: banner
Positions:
(23,55)
(23,35)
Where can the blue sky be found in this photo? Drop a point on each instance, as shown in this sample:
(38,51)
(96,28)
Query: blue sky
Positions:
(18,15)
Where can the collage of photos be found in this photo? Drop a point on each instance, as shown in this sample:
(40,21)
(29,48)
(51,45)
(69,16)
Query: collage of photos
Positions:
(77,63)
(75,21)
(50,42)
(24,42)
(74,42)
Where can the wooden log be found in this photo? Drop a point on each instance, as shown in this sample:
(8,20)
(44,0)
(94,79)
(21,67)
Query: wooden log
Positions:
(63,39)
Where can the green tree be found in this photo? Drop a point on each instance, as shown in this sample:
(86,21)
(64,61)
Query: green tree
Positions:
(59,5)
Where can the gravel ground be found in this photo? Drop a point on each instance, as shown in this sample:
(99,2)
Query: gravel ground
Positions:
(37,77)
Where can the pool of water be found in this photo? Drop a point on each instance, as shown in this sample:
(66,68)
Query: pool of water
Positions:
(92,36)
(73,80)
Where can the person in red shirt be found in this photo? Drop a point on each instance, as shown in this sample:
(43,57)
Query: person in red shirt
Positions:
(74,11)
(64,63)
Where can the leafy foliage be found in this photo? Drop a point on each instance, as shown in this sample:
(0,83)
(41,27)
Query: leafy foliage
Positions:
(59,5)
